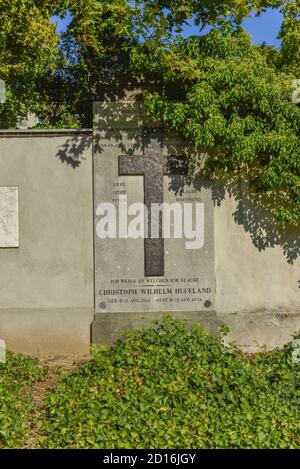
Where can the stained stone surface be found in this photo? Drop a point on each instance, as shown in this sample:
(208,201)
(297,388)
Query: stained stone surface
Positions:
(136,158)
(9,217)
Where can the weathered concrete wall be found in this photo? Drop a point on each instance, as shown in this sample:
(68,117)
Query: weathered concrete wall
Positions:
(257,272)
(46,285)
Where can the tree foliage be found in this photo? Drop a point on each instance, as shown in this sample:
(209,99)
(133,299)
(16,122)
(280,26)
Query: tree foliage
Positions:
(235,97)
(28,49)
(238,108)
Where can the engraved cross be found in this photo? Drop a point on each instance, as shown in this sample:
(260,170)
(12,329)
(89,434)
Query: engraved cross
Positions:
(152,165)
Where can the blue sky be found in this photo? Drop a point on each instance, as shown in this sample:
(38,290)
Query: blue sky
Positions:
(265,28)
(262,29)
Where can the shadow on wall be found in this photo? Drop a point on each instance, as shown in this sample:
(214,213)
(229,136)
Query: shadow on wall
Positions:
(73,150)
(253,212)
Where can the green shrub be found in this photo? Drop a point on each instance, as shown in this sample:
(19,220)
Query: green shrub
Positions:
(18,373)
(169,387)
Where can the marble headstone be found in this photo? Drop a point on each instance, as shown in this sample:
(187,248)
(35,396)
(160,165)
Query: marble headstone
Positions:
(136,161)
(9,217)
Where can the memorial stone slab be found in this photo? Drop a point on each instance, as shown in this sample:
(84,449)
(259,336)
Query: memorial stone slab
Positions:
(136,161)
(9,217)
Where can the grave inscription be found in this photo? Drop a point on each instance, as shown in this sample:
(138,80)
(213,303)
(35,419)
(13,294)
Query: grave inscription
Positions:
(137,160)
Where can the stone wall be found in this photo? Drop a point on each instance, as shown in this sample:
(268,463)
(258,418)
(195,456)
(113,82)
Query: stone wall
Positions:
(251,263)
(257,272)
(46,284)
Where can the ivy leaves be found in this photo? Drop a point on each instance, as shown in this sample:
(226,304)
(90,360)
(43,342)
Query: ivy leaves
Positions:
(169,387)
(164,387)
(17,374)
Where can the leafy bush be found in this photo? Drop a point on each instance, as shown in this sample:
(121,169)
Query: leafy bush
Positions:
(240,109)
(169,387)
(16,374)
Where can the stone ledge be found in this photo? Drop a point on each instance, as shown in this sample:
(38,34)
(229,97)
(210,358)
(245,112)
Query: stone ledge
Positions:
(47,331)
(108,327)
(249,330)
(253,330)
(67,331)
(16,133)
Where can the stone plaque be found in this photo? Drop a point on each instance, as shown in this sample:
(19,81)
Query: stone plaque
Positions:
(9,217)
(154,230)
